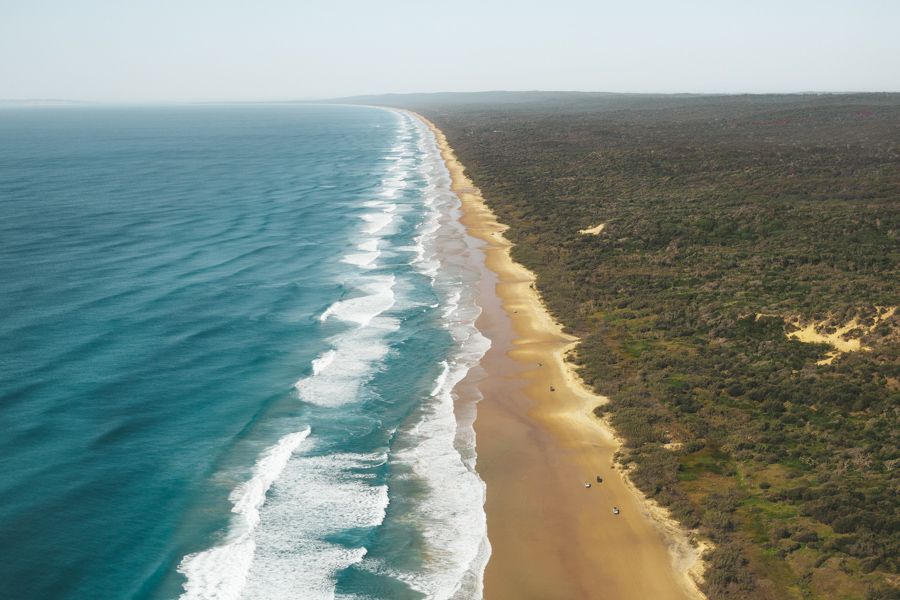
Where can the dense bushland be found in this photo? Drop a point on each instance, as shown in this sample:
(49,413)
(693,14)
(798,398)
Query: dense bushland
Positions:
(727,219)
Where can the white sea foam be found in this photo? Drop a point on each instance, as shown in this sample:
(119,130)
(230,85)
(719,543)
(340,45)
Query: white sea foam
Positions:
(368,245)
(441,381)
(443,456)
(452,304)
(347,366)
(375,222)
(386,207)
(362,259)
(439,449)
(284,546)
(451,516)
(220,573)
(446,458)
(427,261)
(378,296)
(355,353)
(427,257)
(318,496)
(320,364)
(392,186)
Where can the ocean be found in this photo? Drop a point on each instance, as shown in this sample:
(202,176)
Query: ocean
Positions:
(230,341)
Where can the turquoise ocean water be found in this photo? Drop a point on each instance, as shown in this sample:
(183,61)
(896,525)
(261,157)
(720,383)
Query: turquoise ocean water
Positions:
(230,336)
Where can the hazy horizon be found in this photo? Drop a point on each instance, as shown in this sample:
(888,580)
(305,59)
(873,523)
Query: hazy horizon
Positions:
(326,100)
(275,50)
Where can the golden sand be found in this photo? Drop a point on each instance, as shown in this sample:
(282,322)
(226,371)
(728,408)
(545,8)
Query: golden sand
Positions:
(595,230)
(539,443)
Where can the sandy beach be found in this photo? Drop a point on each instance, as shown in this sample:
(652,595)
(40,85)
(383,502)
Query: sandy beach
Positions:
(538,444)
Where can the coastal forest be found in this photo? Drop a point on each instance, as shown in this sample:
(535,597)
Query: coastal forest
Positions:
(737,307)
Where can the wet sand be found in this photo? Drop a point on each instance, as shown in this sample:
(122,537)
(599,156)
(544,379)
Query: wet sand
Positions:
(551,537)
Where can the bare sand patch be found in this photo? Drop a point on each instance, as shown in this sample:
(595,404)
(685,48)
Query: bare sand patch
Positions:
(595,230)
(842,338)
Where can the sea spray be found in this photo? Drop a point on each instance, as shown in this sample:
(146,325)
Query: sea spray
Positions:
(323,495)
(439,449)
(377,296)
(220,573)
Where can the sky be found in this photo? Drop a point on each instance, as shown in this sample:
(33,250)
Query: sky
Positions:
(228,50)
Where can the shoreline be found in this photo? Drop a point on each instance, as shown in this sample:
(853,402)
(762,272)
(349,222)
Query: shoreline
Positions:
(539,442)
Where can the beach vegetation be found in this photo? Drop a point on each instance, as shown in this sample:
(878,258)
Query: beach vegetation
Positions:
(729,223)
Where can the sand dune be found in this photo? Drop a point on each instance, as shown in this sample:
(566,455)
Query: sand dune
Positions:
(595,230)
